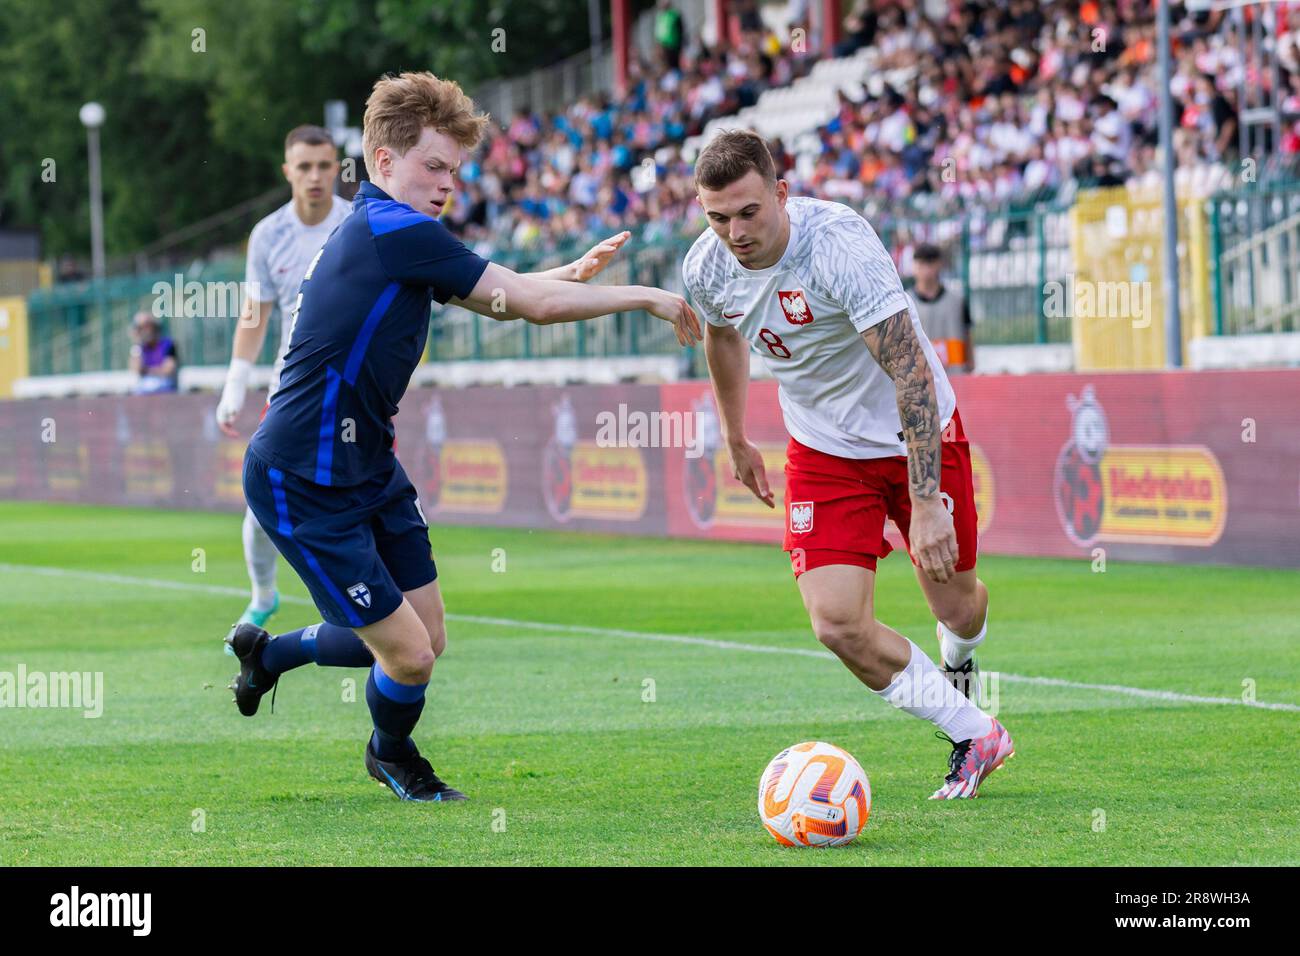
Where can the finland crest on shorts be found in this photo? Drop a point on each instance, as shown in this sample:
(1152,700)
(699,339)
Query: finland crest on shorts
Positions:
(801,517)
(360,594)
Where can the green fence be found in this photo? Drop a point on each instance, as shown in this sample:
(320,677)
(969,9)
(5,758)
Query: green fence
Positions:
(84,326)
(460,335)
(1003,259)
(1255,259)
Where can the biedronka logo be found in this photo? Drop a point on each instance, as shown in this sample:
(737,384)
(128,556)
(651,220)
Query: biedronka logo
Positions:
(714,497)
(582,479)
(463,475)
(1142,494)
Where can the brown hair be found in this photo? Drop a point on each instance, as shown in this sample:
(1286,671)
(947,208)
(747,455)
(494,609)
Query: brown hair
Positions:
(927,252)
(400,107)
(311,135)
(730,156)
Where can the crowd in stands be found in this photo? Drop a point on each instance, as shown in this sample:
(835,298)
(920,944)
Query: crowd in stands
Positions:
(1012,101)
(604,164)
(990,101)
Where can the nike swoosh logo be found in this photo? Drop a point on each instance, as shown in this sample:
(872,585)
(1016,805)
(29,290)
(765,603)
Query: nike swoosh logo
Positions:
(734,315)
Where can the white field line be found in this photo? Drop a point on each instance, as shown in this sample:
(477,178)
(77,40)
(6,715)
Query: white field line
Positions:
(216,589)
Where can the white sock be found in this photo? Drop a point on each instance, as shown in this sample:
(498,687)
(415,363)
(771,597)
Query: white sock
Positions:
(260,556)
(958,650)
(921,690)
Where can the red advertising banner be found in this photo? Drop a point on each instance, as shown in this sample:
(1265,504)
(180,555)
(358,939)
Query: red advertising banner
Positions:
(1180,467)
(704,499)
(532,457)
(1191,467)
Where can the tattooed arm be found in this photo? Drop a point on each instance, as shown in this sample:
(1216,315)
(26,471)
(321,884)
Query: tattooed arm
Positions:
(893,343)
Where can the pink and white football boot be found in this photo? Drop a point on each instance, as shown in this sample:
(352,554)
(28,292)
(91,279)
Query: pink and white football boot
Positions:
(972,761)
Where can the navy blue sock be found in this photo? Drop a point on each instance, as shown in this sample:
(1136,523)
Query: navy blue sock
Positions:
(395,709)
(339,647)
(325,644)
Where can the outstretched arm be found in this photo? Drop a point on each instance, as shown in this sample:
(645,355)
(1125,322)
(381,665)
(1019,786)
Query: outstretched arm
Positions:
(590,264)
(894,344)
(583,269)
(504,294)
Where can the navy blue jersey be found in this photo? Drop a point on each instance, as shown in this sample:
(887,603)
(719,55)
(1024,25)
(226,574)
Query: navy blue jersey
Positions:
(359,331)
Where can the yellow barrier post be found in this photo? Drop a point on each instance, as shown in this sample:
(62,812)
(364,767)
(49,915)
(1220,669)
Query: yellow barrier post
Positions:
(13,343)
(1116,295)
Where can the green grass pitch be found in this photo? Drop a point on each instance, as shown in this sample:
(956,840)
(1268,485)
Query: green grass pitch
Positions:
(548,730)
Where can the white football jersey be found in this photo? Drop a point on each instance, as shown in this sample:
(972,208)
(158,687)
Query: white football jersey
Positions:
(805,315)
(280,249)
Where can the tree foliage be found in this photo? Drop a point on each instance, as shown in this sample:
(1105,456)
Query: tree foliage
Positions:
(199,93)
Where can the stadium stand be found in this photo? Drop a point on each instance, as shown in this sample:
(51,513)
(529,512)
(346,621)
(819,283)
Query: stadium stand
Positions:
(988,102)
(975,125)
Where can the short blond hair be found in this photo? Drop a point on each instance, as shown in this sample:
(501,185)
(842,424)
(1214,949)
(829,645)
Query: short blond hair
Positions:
(400,107)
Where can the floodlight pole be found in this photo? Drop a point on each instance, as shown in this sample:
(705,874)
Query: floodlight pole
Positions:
(92,117)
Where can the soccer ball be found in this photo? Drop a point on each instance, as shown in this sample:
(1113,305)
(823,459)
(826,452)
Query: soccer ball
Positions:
(814,794)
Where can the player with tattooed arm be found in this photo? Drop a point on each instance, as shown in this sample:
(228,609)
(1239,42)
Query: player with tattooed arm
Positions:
(875,434)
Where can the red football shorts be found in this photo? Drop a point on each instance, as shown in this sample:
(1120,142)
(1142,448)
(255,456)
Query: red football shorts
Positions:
(835,508)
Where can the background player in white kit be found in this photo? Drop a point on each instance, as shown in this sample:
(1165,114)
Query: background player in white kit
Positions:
(280,248)
(874,428)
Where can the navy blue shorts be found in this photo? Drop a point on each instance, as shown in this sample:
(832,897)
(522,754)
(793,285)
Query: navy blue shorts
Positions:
(356,548)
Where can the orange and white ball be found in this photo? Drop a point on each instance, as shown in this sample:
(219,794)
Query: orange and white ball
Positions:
(814,794)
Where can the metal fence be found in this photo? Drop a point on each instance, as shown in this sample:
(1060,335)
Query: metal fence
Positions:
(1004,261)
(1255,259)
(460,335)
(84,326)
